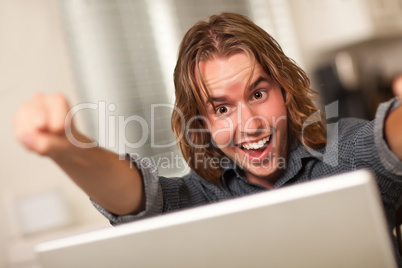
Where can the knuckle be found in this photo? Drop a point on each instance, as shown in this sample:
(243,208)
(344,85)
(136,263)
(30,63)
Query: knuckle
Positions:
(59,98)
(25,106)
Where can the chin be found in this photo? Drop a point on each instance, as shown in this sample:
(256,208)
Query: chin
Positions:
(265,170)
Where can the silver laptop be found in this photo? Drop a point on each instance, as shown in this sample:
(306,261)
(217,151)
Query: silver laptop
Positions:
(334,222)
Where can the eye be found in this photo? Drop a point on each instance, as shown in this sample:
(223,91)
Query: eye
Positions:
(258,95)
(222,110)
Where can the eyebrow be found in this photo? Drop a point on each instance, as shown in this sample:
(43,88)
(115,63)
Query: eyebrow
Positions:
(218,99)
(257,82)
(251,87)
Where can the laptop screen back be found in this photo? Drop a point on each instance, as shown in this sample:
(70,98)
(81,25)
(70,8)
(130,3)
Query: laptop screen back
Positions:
(334,222)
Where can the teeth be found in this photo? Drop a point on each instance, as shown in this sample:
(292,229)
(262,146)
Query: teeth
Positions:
(256,145)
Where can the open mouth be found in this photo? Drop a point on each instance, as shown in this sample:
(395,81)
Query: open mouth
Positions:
(257,148)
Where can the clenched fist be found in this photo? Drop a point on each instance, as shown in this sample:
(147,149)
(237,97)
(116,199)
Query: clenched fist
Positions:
(44,125)
(393,126)
(397,87)
(41,124)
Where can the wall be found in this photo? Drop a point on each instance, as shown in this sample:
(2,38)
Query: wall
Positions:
(33,57)
(322,26)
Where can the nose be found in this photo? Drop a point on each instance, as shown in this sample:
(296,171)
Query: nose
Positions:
(250,123)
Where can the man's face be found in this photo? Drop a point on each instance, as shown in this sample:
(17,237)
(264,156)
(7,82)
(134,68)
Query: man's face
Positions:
(249,121)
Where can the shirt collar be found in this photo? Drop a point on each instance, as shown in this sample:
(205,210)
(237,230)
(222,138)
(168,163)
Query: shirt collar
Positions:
(295,163)
(231,170)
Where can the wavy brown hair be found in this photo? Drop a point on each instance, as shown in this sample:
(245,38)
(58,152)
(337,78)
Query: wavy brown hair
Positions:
(224,35)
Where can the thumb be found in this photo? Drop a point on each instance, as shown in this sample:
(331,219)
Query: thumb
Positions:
(43,143)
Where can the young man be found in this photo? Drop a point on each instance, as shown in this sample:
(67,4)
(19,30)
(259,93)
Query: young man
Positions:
(245,123)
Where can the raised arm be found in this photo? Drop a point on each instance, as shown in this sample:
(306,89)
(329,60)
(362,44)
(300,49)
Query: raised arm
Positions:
(393,124)
(40,126)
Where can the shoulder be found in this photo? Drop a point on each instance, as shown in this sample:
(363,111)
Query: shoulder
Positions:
(188,183)
(350,126)
(346,129)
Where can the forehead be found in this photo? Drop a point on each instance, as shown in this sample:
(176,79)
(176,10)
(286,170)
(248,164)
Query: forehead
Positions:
(230,67)
(222,73)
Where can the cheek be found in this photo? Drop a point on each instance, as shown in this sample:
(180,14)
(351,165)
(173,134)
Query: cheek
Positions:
(222,132)
(280,119)
(276,115)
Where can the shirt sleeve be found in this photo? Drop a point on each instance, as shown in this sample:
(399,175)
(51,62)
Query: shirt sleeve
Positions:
(153,193)
(388,159)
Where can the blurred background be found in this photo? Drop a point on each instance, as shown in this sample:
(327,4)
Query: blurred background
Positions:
(115,58)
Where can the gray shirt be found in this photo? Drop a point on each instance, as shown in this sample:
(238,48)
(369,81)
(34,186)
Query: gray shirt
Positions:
(353,144)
